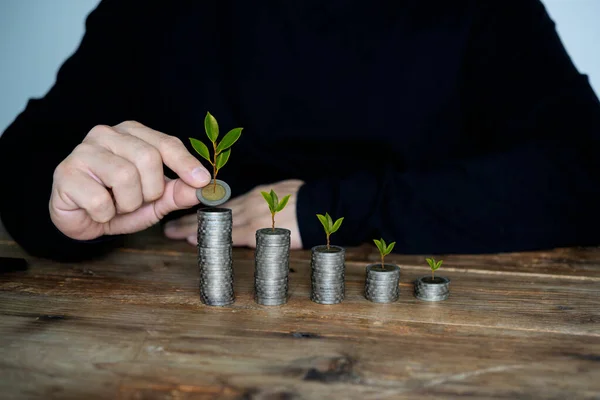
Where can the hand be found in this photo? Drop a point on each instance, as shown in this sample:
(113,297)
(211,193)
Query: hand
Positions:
(250,213)
(113,182)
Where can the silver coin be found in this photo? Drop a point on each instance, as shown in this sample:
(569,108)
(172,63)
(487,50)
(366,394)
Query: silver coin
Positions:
(270,302)
(279,281)
(271,294)
(215,303)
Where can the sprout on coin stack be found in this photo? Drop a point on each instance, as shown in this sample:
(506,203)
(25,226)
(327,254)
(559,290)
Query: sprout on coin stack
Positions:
(272,257)
(381,284)
(432,288)
(328,266)
(217,192)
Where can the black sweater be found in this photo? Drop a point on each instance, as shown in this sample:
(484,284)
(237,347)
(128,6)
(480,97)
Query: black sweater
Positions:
(447,126)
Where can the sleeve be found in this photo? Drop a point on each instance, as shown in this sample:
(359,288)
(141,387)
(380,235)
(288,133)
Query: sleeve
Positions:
(98,84)
(535,186)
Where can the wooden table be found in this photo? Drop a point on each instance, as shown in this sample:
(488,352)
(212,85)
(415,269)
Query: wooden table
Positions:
(131,326)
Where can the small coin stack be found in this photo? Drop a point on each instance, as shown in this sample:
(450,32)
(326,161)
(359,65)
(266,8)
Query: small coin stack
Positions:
(272,266)
(381,285)
(215,256)
(428,290)
(328,274)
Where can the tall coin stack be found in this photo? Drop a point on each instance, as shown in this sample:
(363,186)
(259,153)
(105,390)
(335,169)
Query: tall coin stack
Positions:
(215,256)
(328,274)
(271,266)
(381,285)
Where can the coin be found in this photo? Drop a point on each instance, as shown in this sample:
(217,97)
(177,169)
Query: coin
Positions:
(215,260)
(214,195)
(327,274)
(427,289)
(381,283)
(271,260)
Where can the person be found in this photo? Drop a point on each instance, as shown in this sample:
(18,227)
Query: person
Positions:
(448,127)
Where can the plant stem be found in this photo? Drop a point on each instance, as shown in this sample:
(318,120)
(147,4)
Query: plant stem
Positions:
(328,241)
(215,170)
(432,278)
(382,262)
(273,221)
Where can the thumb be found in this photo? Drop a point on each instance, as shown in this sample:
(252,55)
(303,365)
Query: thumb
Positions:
(178,195)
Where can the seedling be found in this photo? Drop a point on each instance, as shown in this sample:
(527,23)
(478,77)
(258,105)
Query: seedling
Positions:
(275,205)
(329,226)
(221,150)
(434,265)
(384,249)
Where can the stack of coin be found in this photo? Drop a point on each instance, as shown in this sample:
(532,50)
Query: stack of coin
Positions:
(429,289)
(215,256)
(381,285)
(272,260)
(328,274)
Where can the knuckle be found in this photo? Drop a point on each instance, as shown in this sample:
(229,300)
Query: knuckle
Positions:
(83,148)
(149,158)
(63,170)
(171,143)
(100,205)
(154,193)
(60,170)
(126,175)
(131,206)
(100,130)
(129,124)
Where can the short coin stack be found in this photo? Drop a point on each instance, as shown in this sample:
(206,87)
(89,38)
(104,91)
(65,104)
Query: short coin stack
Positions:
(271,266)
(381,285)
(215,256)
(428,289)
(328,274)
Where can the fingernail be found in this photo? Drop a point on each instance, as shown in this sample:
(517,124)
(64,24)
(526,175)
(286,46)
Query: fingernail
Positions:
(201,174)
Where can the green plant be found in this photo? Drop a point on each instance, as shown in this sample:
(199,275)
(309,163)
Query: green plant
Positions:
(384,249)
(221,150)
(275,205)
(434,265)
(329,226)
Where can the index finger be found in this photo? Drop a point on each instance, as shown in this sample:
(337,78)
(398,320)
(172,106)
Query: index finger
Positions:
(173,152)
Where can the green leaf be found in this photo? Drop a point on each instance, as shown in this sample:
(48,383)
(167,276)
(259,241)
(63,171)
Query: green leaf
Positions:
(211,127)
(389,248)
(200,149)
(329,222)
(267,197)
(223,158)
(283,203)
(324,222)
(275,199)
(337,224)
(229,139)
(438,265)
(431,263)
(379,245)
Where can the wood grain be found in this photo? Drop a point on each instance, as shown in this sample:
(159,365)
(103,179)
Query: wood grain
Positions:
(130,326)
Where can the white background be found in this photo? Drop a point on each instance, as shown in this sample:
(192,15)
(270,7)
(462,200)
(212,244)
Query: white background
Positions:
(36,36)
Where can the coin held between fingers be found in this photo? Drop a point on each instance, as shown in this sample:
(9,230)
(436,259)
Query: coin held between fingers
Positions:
(214,195)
